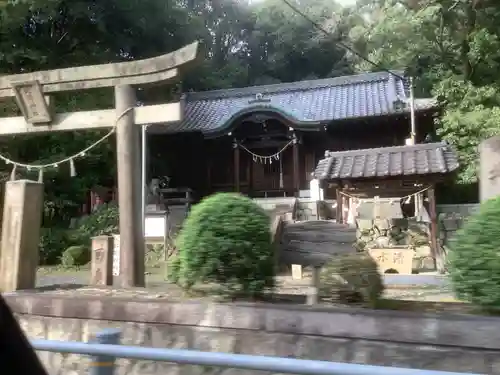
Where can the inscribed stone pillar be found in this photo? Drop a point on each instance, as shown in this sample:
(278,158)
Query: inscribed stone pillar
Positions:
(22,218)
(116,259)
(102,260)
(489,168)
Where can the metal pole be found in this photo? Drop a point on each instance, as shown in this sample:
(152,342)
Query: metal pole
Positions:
(413,134)
(102,364)
(242,361)
(143,177)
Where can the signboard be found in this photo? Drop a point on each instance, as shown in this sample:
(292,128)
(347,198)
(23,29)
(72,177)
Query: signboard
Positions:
(397,259)
(116,255)
(155,227)
(31,101)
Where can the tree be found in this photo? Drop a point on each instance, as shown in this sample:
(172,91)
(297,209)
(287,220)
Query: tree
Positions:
(287,47)
(452,48)
(37,35)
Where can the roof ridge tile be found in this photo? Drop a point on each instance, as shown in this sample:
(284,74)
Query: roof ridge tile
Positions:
(305,85)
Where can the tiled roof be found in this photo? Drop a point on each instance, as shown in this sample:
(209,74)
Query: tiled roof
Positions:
(307,104)
(420,159)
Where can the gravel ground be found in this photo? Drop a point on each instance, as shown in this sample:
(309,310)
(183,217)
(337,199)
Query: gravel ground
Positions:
(423,287)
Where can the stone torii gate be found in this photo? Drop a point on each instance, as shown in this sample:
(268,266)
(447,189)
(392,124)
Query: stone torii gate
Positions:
(22,218)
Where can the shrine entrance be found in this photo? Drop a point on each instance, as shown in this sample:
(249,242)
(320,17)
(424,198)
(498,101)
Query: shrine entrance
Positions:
(264,156)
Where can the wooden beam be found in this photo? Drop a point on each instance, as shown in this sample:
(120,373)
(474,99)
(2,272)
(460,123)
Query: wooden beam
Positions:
(295,161)
(155,69)
(435,247)
(340,208)
(86,120)
(236,160)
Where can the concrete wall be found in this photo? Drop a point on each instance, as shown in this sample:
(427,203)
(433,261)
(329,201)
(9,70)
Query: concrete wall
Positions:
(461,209)
(451,218)
(271,203)
(442,342)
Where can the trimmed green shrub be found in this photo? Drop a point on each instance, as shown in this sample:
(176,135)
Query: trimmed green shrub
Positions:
(351,278)
(225,239)
(474,258)
(75,256)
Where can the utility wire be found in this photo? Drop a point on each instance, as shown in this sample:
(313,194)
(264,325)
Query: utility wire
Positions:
(343,45)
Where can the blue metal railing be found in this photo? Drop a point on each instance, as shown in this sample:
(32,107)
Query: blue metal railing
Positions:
(105,349)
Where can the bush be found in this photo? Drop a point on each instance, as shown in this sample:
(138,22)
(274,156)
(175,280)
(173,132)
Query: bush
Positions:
(474,258)
(53,242)
(174,269)
(103,221)
(226,239)
(351,278)
(75,256)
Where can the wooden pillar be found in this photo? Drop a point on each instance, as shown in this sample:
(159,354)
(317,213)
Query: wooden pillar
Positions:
(296,173)
(129,191)
(313,294)
(209,174)
(340,208)
(250,177)
(435,248)
(236,167)
(376,207)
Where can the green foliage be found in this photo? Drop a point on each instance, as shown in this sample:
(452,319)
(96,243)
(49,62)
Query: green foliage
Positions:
(226,239)
(458,65)
(53,242)
(351,278)
(75,256)
(103,221)
(174,269)
(472,114)
(474,259)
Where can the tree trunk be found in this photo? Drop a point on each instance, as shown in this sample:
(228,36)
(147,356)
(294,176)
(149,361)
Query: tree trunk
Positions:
(470,25)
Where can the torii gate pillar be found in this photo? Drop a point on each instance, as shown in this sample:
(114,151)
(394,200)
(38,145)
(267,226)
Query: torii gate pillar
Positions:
(30,90)
(128,164)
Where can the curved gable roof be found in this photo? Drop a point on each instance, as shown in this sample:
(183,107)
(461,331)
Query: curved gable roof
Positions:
(306,104)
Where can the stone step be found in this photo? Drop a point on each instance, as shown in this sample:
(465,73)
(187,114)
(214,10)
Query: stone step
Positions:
(315,236)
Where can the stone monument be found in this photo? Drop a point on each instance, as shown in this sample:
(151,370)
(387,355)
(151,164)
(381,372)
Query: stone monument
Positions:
(489,168)
(102,261)
(22,218)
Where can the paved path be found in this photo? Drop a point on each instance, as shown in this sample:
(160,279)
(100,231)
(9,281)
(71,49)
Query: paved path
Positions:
(390,280)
